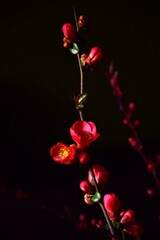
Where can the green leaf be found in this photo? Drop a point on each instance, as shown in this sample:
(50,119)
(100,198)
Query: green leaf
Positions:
(96,197)
(79,106)
(81,98)
(106,227)
(74,49)
(116,224)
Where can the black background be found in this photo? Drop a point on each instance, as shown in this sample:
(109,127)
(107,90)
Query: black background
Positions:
(38,79)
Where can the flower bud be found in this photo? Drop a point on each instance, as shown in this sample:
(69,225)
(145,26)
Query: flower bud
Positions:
(136,123)
(100,224)
(112,205)
(125,121)
(127,217)
(131,106)
(132,142)
(135,230)
(83,59)
(101,175)
(150,192)
(94,56)
(84,158)
(86,187)
(151,166)
(93,221)
(87,199)
(69,32)
(81,21)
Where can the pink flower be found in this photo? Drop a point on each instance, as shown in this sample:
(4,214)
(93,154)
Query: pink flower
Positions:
(69,32)
(112,205)
(101,176)
(94,56)
(83,133)
(63,154)
(127,217)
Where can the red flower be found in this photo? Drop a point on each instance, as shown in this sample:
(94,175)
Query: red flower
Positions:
(134,230)
(94,56)
(84,158)
(101,175)
(69,32)
(127,217)
(86,187)
(83,133)
(63,154)
(112,205)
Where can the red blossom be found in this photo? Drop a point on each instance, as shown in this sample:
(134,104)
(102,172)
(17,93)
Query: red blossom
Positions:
(134,230)
(69,32)
(101,175)
(86,187)
(151,166)
(112,205)
(127,217)
(84,158)
(83,133)
(136,123)
(82,222)
(94,56)
(150,192)
(63,154)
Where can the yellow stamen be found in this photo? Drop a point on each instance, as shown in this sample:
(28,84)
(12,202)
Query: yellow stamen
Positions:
(63,152)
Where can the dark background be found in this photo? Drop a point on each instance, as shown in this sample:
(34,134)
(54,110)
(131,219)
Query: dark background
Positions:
(38,79)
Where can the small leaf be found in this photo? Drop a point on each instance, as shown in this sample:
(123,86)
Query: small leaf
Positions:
(81,98)
(116,224)
(96,197)
(74,49)
(79,106)
(106,227)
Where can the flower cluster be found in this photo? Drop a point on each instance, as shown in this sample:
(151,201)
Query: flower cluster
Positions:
(83,133)
(70,39)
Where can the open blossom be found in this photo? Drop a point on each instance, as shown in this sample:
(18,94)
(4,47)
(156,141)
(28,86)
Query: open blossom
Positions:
(63,154)
(83,133)
(112,205)
(101,176)
(69,32)
(94,56)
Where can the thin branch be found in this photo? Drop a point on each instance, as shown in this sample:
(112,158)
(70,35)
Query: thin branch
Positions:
(114,85)
(103,208)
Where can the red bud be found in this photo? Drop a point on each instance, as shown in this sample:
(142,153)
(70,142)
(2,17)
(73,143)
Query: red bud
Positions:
(69,32)
(95,56)
(84,158)
(86,187)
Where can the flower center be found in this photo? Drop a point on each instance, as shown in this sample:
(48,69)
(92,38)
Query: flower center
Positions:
(63,152)
(87,135)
